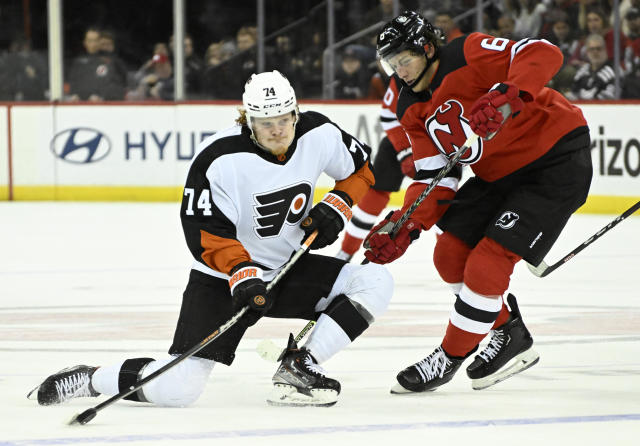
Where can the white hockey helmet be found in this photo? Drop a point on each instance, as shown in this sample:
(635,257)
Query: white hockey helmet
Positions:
(268,94)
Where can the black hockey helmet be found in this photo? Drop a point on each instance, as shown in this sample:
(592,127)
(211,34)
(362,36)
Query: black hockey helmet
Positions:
(408,31)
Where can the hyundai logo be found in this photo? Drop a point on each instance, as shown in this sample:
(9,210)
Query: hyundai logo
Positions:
(80,145)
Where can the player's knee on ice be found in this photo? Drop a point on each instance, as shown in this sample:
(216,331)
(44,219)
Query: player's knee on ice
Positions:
(179,386)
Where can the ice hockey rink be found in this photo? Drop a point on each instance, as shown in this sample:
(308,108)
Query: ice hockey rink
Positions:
(88,283)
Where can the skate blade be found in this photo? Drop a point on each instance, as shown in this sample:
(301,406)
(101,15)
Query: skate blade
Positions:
(33,394)
(519,364)
(397,389)
(288,395)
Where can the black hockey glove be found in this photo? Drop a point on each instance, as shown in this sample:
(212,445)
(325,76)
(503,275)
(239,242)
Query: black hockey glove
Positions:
(329,217)
(248,288)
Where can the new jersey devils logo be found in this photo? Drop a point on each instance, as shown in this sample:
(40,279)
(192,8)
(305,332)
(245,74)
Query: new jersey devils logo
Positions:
(449,130)
(507,220)
(274,209)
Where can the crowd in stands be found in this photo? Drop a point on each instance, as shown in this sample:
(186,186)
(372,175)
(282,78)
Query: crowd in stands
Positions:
(582,29)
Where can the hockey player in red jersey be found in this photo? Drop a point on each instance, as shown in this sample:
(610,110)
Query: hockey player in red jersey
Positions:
(532,169)
(246,207)
(392,163)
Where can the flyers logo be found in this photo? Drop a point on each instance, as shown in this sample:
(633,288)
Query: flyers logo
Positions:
(448,129)
(274,209)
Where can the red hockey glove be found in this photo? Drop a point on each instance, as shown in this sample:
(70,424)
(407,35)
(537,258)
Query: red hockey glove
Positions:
(490,112)
(248,288)
(405,157)
(329,217)
(381,248)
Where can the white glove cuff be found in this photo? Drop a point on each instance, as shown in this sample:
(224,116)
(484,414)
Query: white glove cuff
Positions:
(339,205)
(247,273)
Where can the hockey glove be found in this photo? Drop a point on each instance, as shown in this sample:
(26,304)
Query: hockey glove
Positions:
(248,288)
(381,248)
(329,217)
(405,157)
(489,113)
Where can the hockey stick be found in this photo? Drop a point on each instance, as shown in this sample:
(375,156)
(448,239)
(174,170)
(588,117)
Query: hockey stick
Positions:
(434,182)
(89,414)
(445,170)
(543,269)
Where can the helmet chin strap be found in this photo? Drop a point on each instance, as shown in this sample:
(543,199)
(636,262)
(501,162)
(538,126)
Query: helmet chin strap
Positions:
(426,67)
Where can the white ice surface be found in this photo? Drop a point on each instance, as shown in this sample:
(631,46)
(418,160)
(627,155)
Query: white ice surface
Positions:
(95,283)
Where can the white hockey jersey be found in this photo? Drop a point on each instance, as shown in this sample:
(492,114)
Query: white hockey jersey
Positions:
(241,203)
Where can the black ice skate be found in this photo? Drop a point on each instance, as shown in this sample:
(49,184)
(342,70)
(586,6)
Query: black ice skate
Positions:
(72,382)
(433,371)
(300,381)
(508,352)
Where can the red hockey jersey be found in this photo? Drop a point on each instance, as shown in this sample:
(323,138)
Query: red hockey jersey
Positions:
(436,120)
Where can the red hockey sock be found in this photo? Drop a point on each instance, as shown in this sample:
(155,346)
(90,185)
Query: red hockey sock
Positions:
(458,342)
(502,317)
(350,243)
(479,307)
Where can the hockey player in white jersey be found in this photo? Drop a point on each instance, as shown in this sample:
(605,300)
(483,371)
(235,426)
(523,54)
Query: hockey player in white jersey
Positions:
(246,208)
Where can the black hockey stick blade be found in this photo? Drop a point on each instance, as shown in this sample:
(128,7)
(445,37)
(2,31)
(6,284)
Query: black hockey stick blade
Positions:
(84,417)
(543,270)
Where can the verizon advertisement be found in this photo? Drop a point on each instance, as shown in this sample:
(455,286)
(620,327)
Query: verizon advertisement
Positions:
(142,152)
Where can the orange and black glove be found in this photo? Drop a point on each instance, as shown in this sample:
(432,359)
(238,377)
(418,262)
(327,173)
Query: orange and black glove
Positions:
(248,288)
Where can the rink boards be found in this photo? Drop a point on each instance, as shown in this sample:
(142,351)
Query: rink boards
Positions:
(141,152)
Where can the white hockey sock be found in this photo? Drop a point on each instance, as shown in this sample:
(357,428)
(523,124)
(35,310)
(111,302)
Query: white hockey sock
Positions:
(105,379)
(327,339)
(179,386)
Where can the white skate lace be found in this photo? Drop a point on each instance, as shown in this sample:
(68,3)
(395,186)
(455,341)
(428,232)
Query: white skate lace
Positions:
(433,365)
(72,386)
(495,344)
(313,366)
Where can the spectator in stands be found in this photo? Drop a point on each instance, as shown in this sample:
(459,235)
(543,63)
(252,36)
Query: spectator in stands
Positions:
(506,25)
(595,79)
(624,7)
(598,22)
(244,62)
(193,67)
(310,63)
(383,11)
(632,51)
(585,6)
(155,78)
(284,57)
(218,75)
(352,79)
(527,15)
(93,76)
(632,55)
(23,73)
(107,49)
(561,35)
(444,21)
